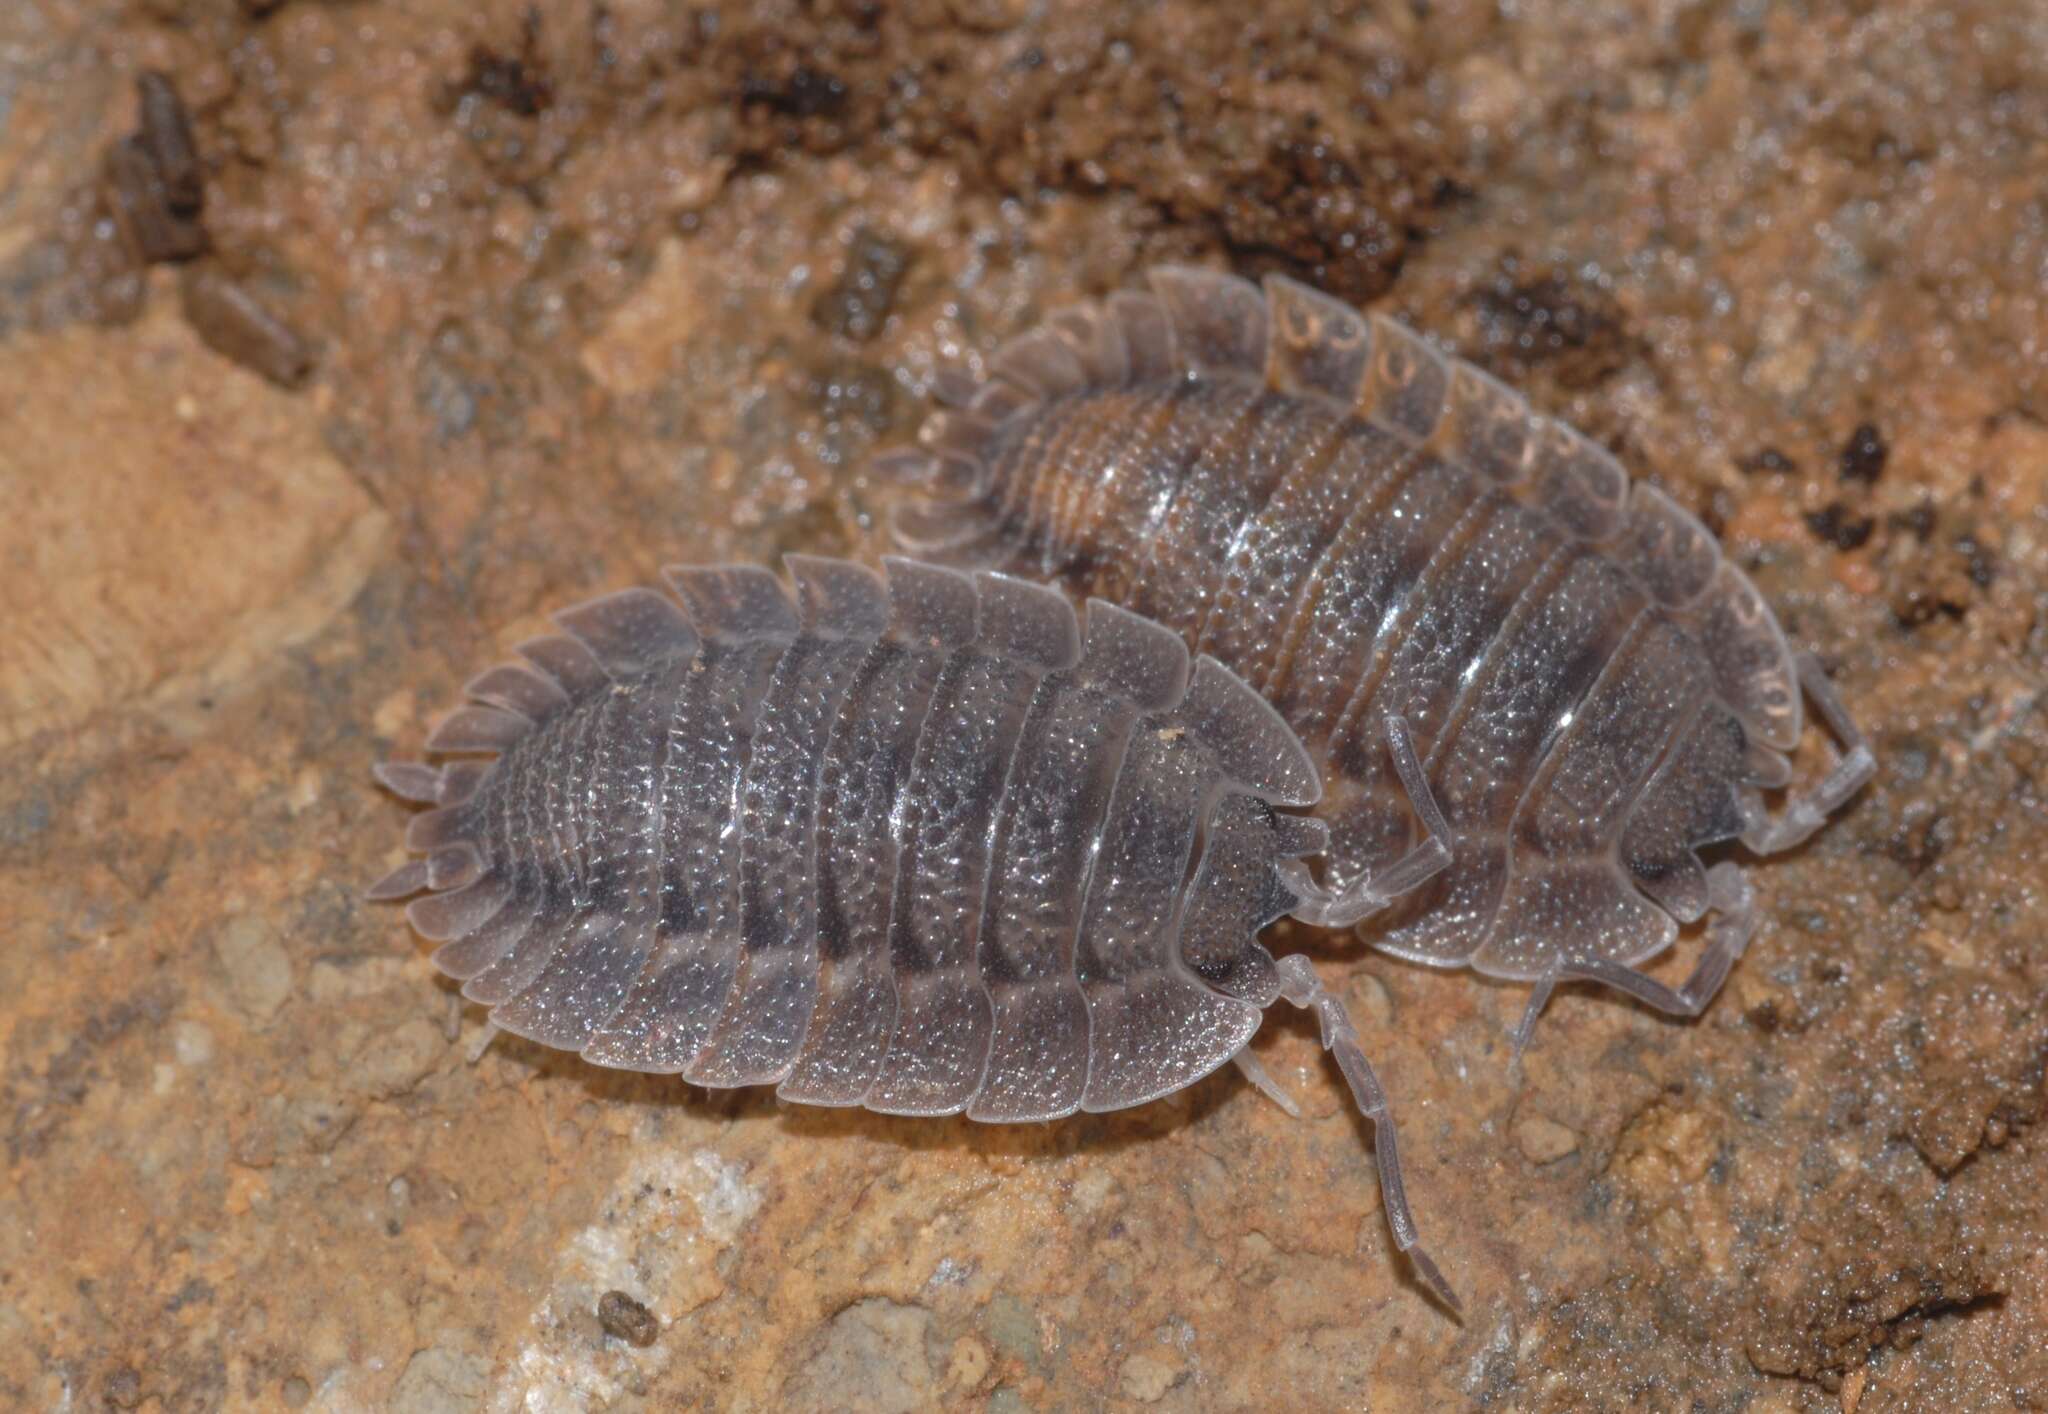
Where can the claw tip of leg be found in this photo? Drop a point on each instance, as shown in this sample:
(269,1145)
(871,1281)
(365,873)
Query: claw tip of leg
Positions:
(1434,1280)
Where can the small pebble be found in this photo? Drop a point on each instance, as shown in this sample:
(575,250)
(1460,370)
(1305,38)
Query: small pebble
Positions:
(969,1364)
(1370,1002)
(191,1043)
(1145,1378)
(255,967)
(1544,1141)
(858,305)
(1834,524)
(627,1319)
(123,1388)
(1864,455)
(140,204)
(166,133)
(232,322)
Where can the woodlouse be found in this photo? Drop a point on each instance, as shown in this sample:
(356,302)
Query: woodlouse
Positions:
(925,843)
(1370,533)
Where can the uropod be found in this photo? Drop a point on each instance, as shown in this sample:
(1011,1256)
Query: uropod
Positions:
(921,841)
(1449,597)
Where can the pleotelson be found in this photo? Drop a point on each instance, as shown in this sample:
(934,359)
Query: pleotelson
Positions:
(1366,530)
(925,842)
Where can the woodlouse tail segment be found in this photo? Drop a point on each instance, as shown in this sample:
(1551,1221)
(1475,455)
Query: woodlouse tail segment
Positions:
(948,475)
(953,513)
(458,898)
(950,534)
(1853,768)
(450,860)
(1044,363)
(451,890)
(1097,340)
(1299,985)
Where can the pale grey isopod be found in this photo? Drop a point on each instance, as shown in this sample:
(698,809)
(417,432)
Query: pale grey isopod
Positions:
(921,841)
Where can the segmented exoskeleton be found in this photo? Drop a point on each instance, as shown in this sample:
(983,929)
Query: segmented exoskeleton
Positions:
(924,842)
(1431,583)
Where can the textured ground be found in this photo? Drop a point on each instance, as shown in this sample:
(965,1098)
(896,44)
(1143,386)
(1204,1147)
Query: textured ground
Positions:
(590,288)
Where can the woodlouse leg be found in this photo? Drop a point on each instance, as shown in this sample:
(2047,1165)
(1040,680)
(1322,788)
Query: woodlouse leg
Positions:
(1735,922)
(1417,866)
(1300,985)
(482,1043)
(1526,1028)
(1263,1079)
(1807,813)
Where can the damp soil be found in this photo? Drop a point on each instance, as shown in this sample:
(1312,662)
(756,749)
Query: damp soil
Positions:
(340,341)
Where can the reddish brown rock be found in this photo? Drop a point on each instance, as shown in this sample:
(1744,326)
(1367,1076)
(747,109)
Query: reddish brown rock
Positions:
(566,277)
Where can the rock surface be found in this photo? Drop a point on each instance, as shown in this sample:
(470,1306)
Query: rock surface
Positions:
(590,288)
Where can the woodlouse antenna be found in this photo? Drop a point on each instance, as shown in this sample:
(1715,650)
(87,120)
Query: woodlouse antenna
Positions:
(1852,770)
(1324,908)
(1300,985)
